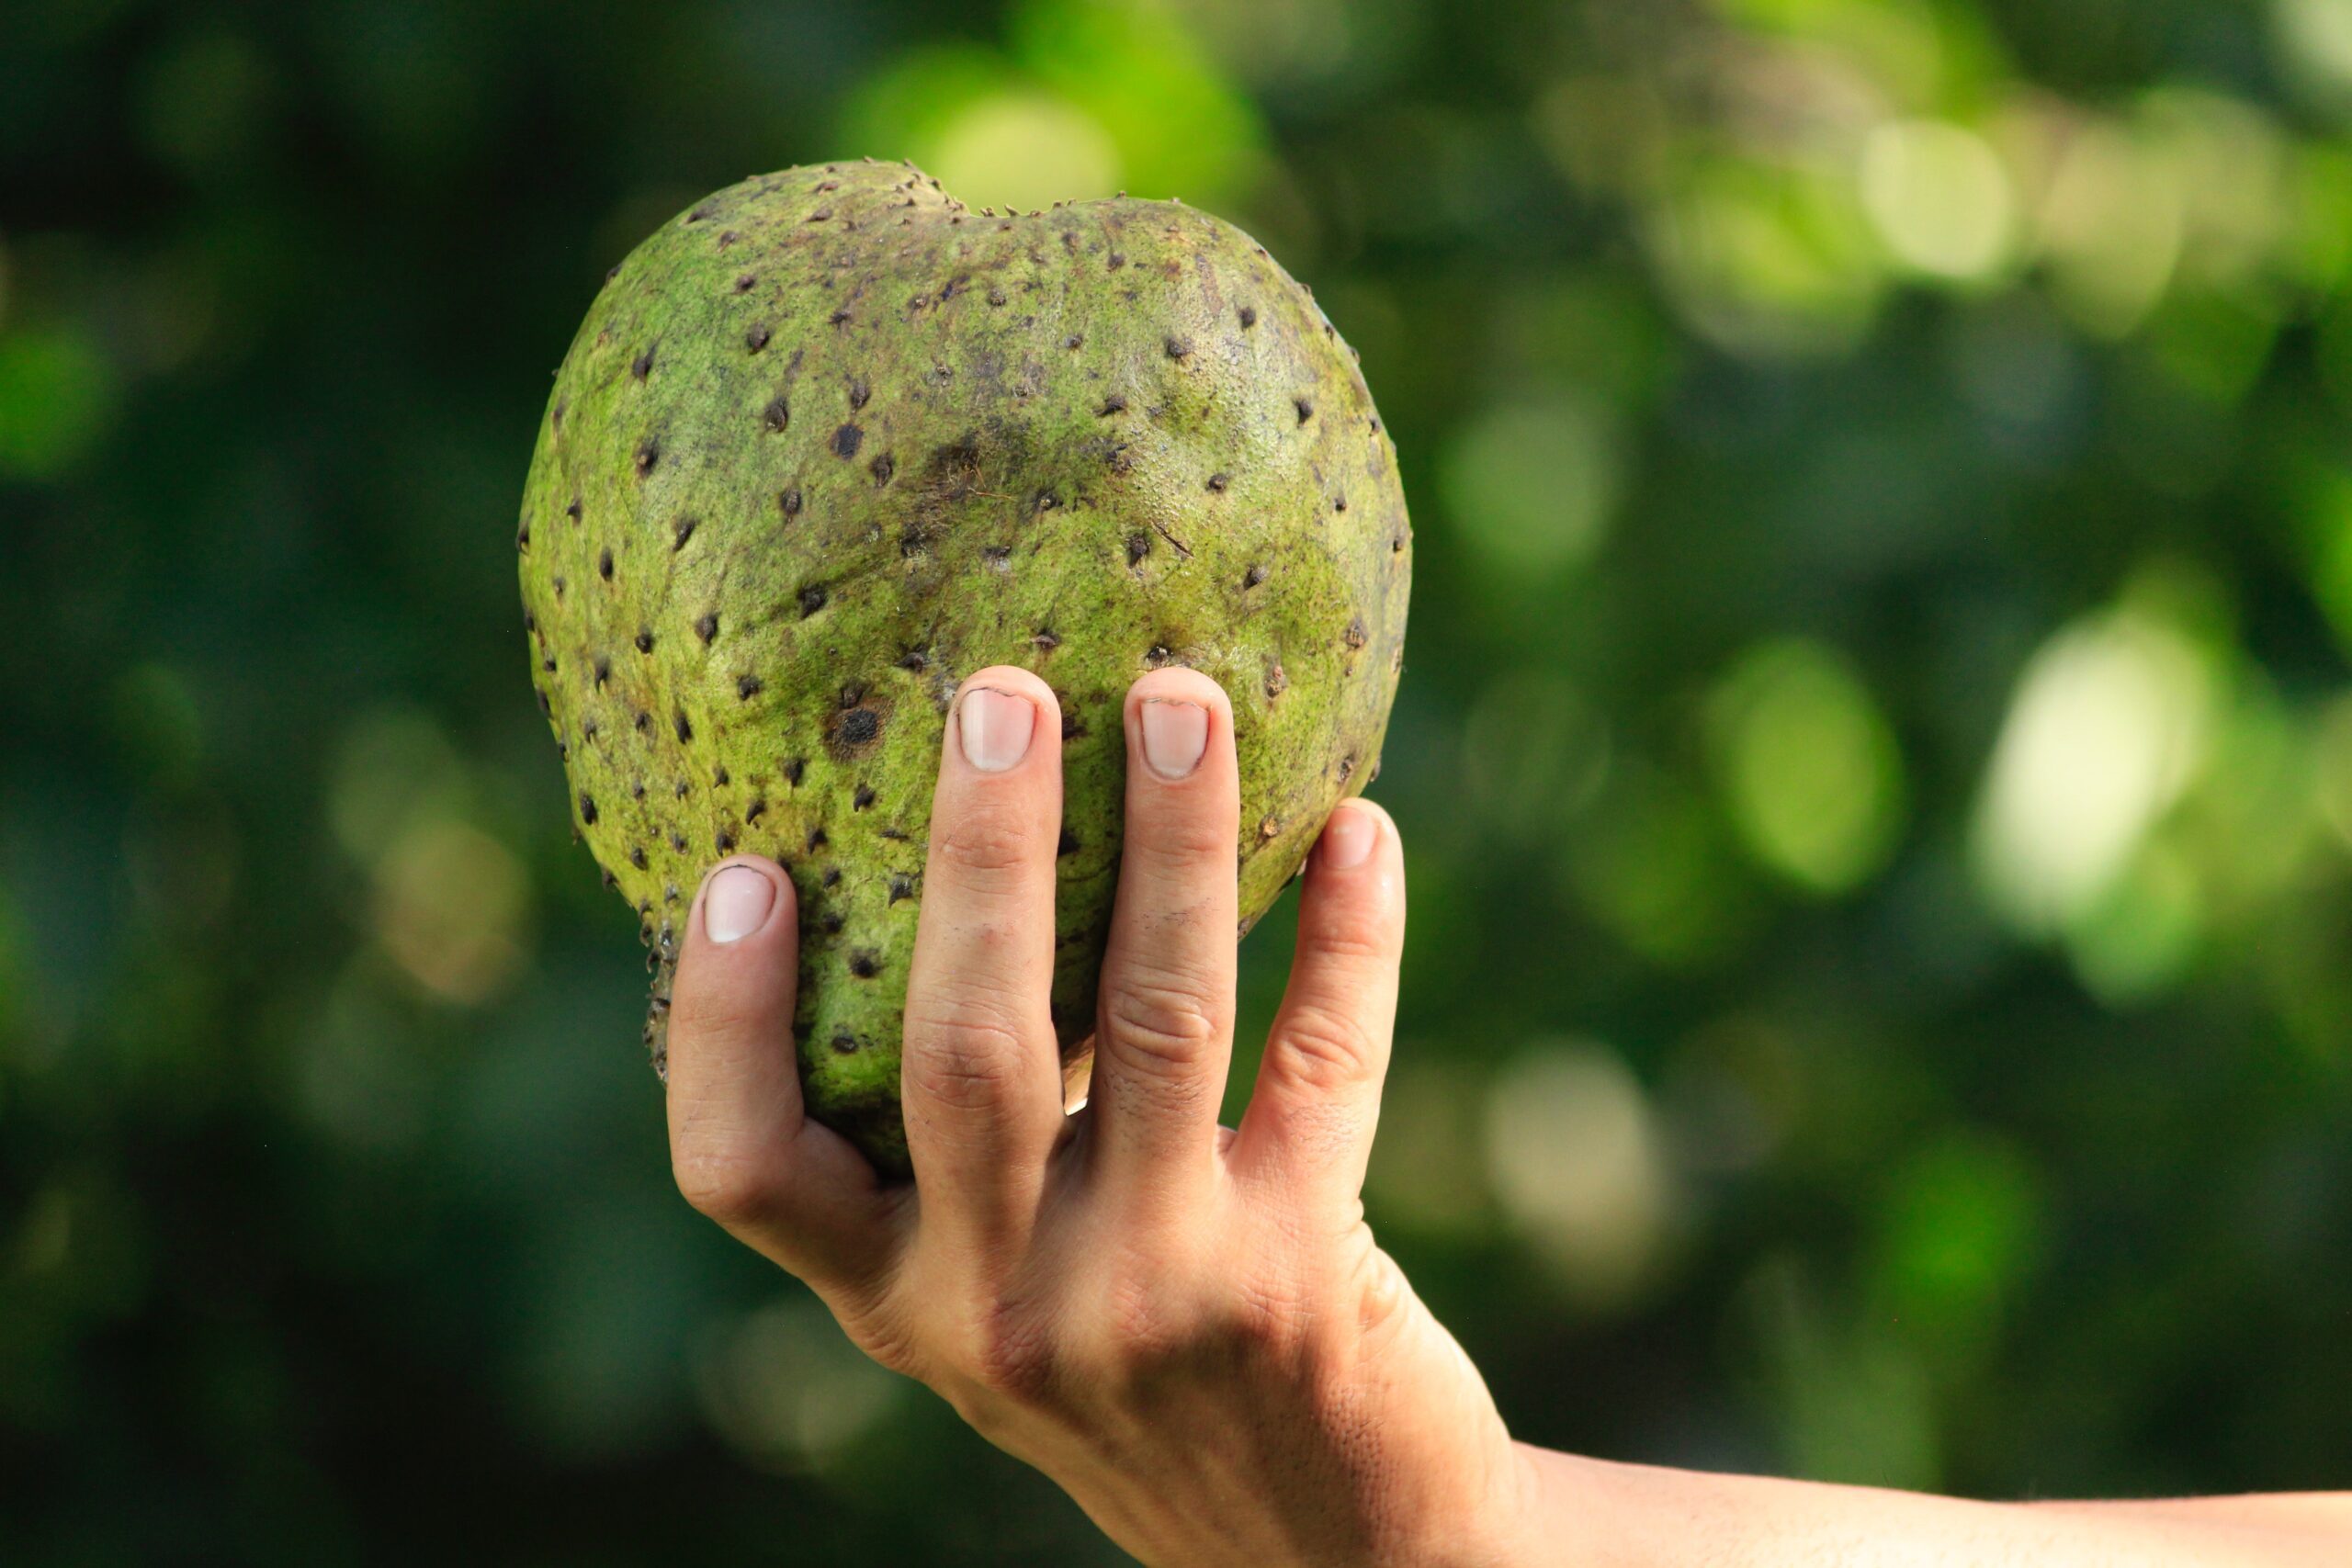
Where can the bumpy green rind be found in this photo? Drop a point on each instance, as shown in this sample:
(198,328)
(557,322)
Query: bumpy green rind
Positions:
(830,441)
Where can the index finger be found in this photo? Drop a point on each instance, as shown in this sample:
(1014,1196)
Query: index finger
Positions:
(981,1071)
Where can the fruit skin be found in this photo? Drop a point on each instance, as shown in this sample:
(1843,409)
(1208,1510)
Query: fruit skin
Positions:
(829,442)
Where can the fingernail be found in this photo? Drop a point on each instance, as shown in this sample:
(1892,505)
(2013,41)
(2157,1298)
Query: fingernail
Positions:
(1348,838)
(1174,735)
(736,904)
(996,727)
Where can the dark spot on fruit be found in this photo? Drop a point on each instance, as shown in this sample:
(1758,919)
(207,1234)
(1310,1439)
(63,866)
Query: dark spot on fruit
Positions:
(697,215)
(1277,679)
(1346,767)
(637,856)
(680,791)
(725,841)
(1159,655)
(821,215)
(914,659)
(609,880)
(602,670)
(747,687)
(605,563)
(1254,576)
(1177,347)
(1075,340)
(859,393)
(1396,546)
(644,641)
(846,441)
(844,1041)
(684,530)
(832,920)
(789,502)
(858,726)
(1305,407)
(1219,482)
(644,722)
(1065,845)
(812,599)
(1073,727)
(861,799)
(677,842)
(642,366)
(1045,641)
(793,768)
(901,887)
(864,965)
(840,318)
(744,282)
(996,296)
(777,416)
(752,813)
(833,878)
(1356,635)
(1267,827)
(1248,316)
(718,776)
(572,511)
(756,338)
(587,808)
(1138,545)
(1117,260)
(649,452)
(883,468)
(547,663)
(522,536)
(1115,403)
(543,703)
(1339,503)
(558,586)
(706,626)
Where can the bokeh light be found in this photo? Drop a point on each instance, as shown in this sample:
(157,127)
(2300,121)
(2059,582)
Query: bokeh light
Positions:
(1874,754)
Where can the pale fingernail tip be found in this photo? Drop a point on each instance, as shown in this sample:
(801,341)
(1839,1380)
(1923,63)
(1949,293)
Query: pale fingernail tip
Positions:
(995,727)
(1175,734)
(737,903)
(1348,838)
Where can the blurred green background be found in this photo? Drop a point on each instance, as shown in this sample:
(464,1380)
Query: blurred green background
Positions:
(1876,751)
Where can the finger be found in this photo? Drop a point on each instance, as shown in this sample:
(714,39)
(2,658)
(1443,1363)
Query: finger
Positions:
(1317,1096)
(1164,1030)
(742,1149)
(981,1073)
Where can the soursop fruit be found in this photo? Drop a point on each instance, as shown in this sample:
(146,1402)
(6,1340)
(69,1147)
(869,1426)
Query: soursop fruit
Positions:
(830,441)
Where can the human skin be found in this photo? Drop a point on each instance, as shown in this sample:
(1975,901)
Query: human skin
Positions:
(1190,1328)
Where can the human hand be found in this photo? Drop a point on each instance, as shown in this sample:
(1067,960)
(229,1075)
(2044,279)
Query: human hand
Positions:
(1189,1328)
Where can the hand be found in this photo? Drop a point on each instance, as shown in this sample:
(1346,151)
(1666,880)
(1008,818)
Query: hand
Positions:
(1189,1328)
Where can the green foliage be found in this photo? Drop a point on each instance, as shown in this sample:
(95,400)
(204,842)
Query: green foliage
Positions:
(1875,751)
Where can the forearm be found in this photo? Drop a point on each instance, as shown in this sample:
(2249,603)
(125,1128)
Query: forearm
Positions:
(1595,1515)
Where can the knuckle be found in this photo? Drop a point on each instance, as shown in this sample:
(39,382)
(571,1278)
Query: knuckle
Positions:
(721,1014)
(1355,939)
(968,1062)
(983,841)
(1165,1021)
(729,1186)
(1186,839)
(1015,1356)
(1321,1049)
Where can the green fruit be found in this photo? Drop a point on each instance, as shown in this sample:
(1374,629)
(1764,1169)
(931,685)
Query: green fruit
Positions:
(832,441)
